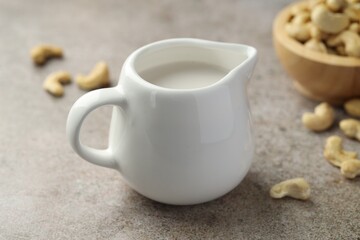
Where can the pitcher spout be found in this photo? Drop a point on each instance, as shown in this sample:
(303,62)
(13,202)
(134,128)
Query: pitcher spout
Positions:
(239,60)
(247,67)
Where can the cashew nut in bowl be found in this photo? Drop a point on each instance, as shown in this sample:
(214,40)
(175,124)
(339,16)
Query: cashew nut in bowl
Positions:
(351,128)
(314,3)
(301,17)
(354,27)
(335,5)
(40,54)
(352,107)
(333,27)
(353,1)
(98,77)
(340,50)
(315,45)
(350,169)
(300,32)
(316,33)
(350,39)
(53,83)
(334,152)
(322,118)
(328,21)
(299,8)
(299,27)
(296,188)
(353,12)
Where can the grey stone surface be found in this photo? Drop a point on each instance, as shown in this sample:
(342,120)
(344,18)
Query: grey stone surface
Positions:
(48,192)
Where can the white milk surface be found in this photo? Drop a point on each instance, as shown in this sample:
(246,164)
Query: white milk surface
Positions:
(184,75)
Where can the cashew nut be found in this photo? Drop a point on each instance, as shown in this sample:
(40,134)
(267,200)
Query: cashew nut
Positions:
(352,107)
(322,118)
(296,188)
(328,21)
(340,50)
(353,1)
(328,28)
(332,51)
(298,8)
(316,33)
(301,17)
(335,5)
(314,3)
(350,168)
(354,27)
(98,77)
(351,128)
(53,83)
(40,54)
(353,12)
(299,28)
(351,41)
(300,32)
(334,152)
(315,45)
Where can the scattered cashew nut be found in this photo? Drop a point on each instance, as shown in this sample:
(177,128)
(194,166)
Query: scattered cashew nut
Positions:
(350,168)
(40,54)
(98,77)
(328,21)
(351,128)
(350,39)
(53,83)
(352,107)
(334,152)
(322,118)
(296,188)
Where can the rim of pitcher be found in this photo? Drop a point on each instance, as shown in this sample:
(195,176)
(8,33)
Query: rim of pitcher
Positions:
(130,69)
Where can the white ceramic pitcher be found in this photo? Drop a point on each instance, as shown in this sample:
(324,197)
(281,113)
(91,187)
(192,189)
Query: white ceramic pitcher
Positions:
(184,144)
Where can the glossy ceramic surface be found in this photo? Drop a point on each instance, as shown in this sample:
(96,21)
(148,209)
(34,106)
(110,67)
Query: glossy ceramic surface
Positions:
(176,146)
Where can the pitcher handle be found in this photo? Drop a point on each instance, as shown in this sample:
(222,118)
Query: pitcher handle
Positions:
(78,112)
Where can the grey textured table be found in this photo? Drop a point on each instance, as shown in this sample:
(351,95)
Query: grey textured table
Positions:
(48,192)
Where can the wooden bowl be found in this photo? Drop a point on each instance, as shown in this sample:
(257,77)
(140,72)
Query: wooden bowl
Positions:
(318,76)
